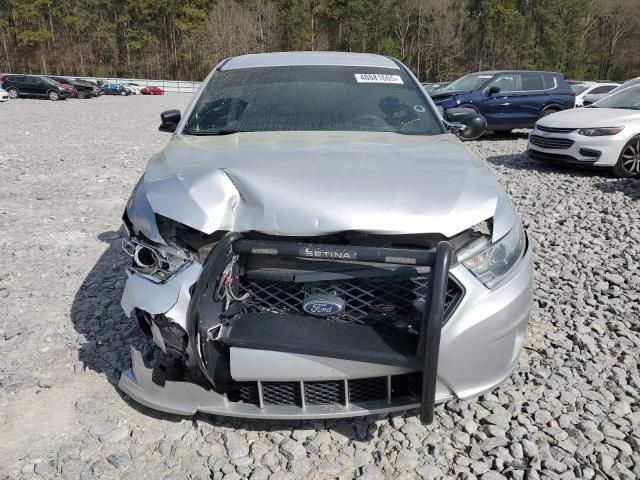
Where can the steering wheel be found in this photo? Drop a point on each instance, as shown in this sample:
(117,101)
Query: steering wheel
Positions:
(371,120)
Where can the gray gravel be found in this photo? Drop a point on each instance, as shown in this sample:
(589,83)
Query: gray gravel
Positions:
(569,411)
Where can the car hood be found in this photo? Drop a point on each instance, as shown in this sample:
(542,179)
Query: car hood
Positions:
(589,117)
(314,183)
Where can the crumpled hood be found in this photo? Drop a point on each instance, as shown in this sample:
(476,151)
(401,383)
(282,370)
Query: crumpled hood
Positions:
(314,183)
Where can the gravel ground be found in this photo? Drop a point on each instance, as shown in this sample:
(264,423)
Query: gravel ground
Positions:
(571,409)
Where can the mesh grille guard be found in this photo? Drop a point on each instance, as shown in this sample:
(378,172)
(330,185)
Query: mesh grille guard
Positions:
(206,315)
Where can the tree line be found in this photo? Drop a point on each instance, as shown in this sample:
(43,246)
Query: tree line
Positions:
(438,39)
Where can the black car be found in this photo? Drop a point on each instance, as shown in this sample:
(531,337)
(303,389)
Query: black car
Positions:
(35,86)
(84,88)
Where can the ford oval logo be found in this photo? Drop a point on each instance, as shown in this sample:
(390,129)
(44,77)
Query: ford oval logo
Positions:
(323,305)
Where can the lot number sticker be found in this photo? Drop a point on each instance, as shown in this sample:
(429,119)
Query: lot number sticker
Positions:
(378,78)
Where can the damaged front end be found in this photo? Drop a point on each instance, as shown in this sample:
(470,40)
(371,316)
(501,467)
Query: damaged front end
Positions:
(285,328)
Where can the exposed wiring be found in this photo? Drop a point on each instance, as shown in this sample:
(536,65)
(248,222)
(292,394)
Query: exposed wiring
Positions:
(228,279)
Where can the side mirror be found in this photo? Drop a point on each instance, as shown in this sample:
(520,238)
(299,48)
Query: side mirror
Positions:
(170,120)
(493,90)
(466,123)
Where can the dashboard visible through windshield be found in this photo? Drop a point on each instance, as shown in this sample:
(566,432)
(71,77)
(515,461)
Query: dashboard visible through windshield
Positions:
(312,98)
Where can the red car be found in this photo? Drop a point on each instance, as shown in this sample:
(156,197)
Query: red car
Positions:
(152,91)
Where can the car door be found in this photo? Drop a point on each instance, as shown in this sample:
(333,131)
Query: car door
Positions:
(498,108)
(36,86)
(532,98)
(21,83)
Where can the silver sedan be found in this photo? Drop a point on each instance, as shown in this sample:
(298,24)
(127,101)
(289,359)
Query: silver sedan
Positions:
(313,242)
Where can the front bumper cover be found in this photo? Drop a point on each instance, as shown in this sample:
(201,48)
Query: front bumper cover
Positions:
(479,348)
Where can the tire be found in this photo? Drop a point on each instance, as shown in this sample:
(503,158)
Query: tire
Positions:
(13,93)
(548,111)
(124,93)
(82,94)
(629,161)
(54,95)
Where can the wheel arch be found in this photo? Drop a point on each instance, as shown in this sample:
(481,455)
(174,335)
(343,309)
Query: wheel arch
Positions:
(552,106)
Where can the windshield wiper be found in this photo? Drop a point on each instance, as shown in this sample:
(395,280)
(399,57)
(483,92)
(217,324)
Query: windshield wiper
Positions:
(627,108)
(216,132)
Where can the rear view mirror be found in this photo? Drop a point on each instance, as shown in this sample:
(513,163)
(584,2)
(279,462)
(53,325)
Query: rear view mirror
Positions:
(170,120)
(493,90)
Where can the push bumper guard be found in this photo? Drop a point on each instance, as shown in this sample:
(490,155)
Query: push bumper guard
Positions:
(216,330)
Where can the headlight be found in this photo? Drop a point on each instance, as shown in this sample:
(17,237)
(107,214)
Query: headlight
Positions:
(158,263)
(489,262)
(599,132)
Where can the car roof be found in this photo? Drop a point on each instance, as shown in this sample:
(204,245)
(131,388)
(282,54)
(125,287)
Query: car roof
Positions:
(287,59)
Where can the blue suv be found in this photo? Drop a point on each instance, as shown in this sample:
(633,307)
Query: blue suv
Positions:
(508,99)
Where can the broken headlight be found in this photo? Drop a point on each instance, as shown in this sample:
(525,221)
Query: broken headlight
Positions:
(491,262)
(156,262)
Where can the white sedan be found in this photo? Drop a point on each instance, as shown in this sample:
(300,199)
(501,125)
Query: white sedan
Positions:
(592,89)
(4,96)
(605,134)
(134,87)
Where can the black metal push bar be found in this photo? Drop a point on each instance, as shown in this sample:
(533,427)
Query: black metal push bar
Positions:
(336,252)
(430,331)
(203,315)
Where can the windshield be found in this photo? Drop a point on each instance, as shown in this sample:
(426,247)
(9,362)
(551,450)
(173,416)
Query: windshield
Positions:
(49,81)
(474,81)
(630,83)
(628,98)
(312,98)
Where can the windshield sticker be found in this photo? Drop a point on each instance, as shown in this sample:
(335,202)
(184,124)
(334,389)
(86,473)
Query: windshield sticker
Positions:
(378,78)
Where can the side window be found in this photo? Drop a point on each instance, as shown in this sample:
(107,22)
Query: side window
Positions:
(603,89)
(531,81)
(17,78)
(506,83)
(550,81)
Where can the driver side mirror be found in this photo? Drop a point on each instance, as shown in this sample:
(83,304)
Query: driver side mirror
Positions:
(493,90)
(467,124)
(170,120)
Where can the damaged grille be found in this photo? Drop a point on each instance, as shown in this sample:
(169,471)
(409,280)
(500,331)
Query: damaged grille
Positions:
(392,301)
(332,392)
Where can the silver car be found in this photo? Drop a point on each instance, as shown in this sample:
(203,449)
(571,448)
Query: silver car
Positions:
(313,243)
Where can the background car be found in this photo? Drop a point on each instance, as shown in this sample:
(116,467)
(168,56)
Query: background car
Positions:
(35,86)
(590,98)
(152,91)
(593,89)
(115,88)
(133,87)
(508,99)
(4,96)
(84,89)
(605,134)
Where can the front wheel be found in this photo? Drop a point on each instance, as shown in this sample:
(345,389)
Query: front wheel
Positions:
(548,111)
(13,93)
(123,93)
(629,162)
(54,95)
